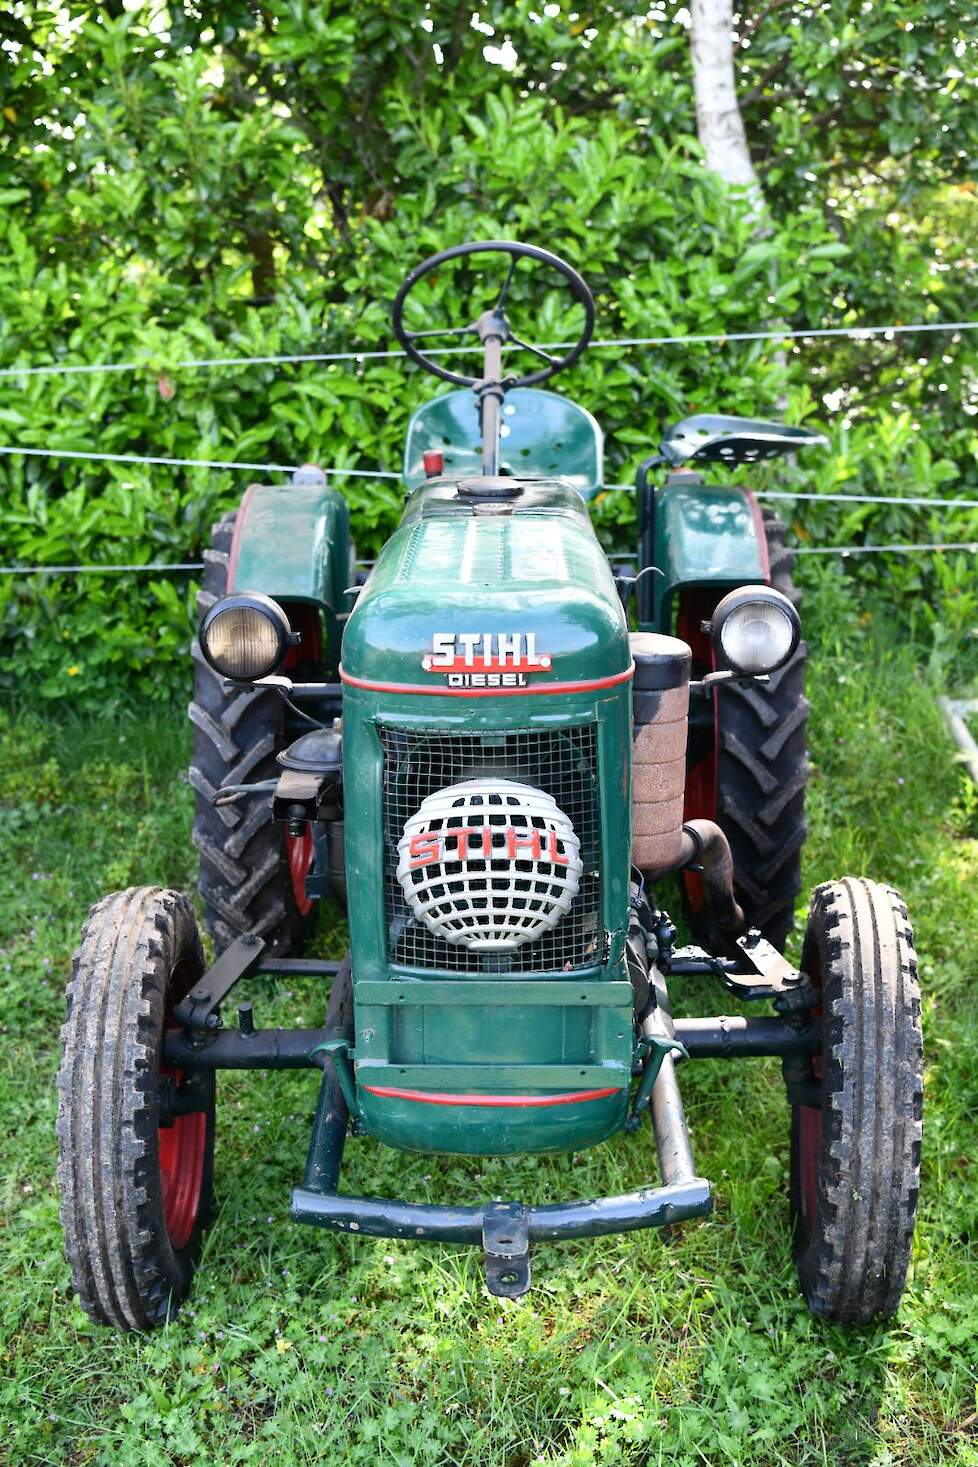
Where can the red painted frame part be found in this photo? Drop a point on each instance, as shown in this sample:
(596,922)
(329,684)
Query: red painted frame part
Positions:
(435,691)
(438,1097)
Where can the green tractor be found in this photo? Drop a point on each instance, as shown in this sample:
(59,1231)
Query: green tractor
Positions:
(472,752)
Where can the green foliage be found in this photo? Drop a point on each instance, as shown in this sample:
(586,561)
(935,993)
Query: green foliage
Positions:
(179,183)
(682,1347)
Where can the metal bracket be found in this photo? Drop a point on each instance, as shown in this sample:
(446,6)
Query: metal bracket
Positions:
(506,1244)
(338,1050)
(705,685)
(653,1047)
(300,787)
(198,1011)
(790,990)
(765,973)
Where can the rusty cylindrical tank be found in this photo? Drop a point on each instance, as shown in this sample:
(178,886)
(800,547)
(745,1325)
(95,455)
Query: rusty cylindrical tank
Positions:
(660,708)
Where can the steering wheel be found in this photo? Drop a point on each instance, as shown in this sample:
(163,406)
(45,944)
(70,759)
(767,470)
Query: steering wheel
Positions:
(493,323)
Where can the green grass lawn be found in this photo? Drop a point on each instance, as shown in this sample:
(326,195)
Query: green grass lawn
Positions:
(687,1346)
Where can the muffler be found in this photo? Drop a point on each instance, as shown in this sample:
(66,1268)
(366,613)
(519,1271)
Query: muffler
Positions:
(660,708)
(661,843)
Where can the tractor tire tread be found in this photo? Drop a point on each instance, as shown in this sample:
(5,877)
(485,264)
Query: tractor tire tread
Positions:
(244,876)
(853,1263)
(124,1268)
(762,772)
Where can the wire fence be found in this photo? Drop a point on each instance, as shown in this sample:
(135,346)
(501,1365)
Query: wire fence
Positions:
(391,474)
(186,463)
(844,551)
(803,334)
(365,354)
(168,567)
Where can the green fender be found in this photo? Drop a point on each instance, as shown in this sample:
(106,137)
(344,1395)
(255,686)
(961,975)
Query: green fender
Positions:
(292,541)
(697,534)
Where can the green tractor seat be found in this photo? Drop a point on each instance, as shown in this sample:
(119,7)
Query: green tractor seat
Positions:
(542,433)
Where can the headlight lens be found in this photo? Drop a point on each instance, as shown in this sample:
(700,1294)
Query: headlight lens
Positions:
(245,636)
(755,629)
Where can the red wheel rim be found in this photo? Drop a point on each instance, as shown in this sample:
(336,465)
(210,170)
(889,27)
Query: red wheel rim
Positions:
(183,1156)
(301,851)
(809,1132)
(809,1154)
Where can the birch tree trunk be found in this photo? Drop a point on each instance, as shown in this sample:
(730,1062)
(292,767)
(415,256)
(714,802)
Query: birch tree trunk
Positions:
(719,124)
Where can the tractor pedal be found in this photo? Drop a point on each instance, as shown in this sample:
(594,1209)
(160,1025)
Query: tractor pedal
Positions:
(506,1243)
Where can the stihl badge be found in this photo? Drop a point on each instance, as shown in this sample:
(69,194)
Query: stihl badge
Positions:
(485,659)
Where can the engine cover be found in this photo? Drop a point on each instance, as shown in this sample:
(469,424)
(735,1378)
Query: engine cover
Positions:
(482,598)
(487,741)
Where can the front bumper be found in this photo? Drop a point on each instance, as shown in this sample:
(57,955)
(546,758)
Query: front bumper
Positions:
(505,1231)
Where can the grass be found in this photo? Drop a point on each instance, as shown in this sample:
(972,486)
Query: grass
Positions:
(685,1347)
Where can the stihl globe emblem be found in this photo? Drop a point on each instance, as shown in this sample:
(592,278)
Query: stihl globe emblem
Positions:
(489,864)
(486,659)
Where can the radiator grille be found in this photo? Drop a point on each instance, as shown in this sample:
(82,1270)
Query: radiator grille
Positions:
(563,763)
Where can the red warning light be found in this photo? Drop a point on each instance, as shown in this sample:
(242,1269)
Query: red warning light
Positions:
(434,462)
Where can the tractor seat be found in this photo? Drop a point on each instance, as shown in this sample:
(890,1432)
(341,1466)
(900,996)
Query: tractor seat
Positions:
(542,433)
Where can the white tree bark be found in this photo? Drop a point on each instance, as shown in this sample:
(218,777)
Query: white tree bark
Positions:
(719,124)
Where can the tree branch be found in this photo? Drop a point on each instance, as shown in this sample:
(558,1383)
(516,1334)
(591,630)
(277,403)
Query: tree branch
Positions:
(752,27)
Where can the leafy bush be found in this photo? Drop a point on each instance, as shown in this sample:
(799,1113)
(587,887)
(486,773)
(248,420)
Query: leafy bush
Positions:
(262,188)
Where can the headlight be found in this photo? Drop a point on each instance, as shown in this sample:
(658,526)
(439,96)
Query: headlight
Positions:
(245,636)
(755,629)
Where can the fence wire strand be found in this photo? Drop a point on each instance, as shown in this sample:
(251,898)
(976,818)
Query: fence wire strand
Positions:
(917,501)
(273,468)
(856,333)
(185,566)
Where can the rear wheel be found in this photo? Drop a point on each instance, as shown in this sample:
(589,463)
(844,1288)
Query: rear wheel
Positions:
(135,1193)
(252,875)
(749,768)
(855,1159)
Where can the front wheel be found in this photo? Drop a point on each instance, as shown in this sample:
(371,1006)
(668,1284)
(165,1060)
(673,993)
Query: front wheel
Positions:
(855,1159)
(135,1184)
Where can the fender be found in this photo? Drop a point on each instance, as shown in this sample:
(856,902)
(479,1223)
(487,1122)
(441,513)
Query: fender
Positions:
(697,534)
(292,541)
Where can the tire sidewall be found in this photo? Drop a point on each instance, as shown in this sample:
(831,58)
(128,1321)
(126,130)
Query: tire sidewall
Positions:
(852,1254)
(140,953)
(186,966)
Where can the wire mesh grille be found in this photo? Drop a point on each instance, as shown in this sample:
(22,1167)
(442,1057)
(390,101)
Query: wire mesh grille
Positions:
(560,762)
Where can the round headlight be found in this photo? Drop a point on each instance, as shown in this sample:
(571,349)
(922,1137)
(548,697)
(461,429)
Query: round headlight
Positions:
(245,636)
(755,629)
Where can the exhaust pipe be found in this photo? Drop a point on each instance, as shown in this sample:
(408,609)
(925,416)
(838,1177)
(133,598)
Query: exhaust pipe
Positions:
(704,844)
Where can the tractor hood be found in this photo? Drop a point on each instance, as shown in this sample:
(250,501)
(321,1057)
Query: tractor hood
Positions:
(489,594)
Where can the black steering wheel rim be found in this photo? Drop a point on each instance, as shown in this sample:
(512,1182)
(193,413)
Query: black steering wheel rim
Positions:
(516,250)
